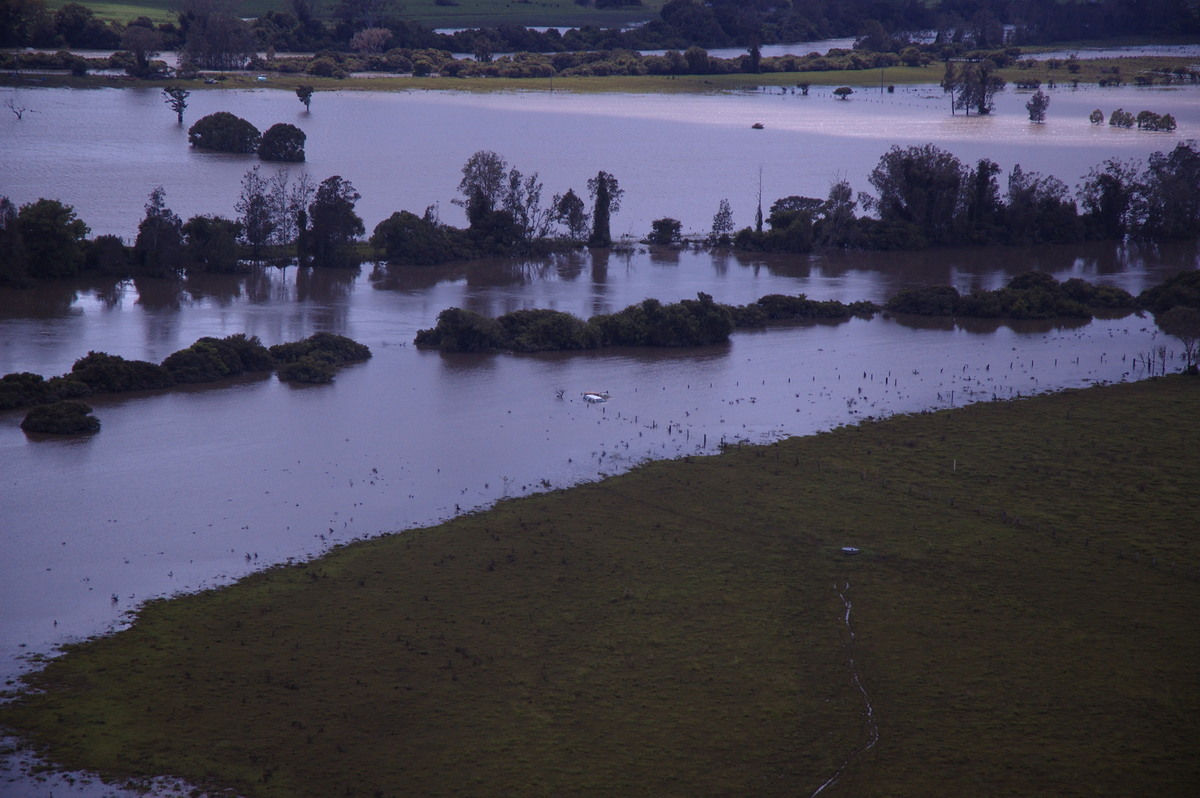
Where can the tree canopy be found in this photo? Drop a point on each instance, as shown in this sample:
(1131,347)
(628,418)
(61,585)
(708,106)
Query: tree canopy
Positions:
(224,132)
(282,142)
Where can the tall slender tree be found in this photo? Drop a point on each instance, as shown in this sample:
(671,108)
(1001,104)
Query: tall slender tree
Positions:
(176,97)
(606,195)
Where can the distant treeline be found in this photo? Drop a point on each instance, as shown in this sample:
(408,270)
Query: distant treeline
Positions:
(212,36)
(925,197)
(701,321)
(314,359)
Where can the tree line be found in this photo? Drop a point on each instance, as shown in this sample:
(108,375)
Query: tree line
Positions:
(212,34)
(701,321)
(306,223)
(924,196)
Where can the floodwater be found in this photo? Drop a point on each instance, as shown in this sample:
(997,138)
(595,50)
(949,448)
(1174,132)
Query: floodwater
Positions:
(195,487)
(103,151)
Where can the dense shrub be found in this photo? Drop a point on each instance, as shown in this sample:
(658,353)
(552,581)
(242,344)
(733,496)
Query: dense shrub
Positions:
(459,330)
(935,300)
(690,322)
(1182,289)
(333,349)
(778,307)
(1031,295)
(282,142)
(105,373)
(544,330)
(61,418)
(210,359)
(23,388)
(224,132)
(409,239)
(307,369)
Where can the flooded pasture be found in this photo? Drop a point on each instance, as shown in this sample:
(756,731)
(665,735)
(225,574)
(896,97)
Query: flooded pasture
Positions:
(195,487)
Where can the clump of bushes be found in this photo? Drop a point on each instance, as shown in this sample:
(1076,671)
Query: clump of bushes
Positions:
(307,369)
(282,142)
(21,389)
(1181,289)
(105,373)
(689,322)
(780,307)
(1032,295)
(224,132)
(316,358)
(210,359)
(61,418)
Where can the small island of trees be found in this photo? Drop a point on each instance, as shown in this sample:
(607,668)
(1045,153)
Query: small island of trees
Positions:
(701,321)
(225,132)
(57,409)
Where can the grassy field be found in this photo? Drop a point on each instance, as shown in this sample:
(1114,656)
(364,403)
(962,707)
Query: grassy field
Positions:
(1025,612)
(464,13)
(1091,71)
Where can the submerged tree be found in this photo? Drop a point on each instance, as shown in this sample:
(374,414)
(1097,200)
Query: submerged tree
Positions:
(211,244)
(665,231)
(282,142)
(570,212)
(14,264)
(482,186)
(254,209)
(1108,197)
(1183,323)
(334,226)
(606,195)
(921,186)
(305,93)
(1170,192)
(1037,106)
(224,132)
(53,238)
(972,85)
(176,97)
(523,202)
(158,248)
(722,225)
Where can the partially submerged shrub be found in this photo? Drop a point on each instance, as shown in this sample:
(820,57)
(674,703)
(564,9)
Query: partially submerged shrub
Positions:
(333,349)
(307,369)
(61,418)
(105,373)
(210,359)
